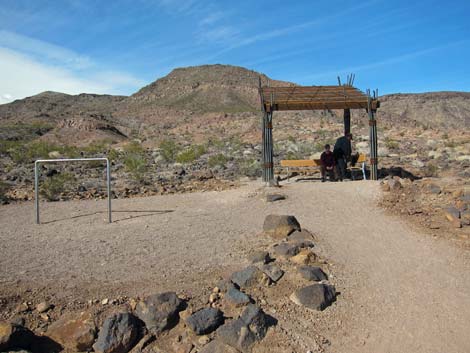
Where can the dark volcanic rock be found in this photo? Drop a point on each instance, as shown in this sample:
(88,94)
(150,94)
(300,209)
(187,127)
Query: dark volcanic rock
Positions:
(205,321)
(312,273)
(287,249)
(249,328)
(259,256)
(273,272)
(119,334)
(236,297)
(249,277)
(316,296)
(275,197)
(280,226)
(160,311)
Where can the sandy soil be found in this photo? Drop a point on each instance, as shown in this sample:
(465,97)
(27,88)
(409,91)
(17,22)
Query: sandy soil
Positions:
(401,290)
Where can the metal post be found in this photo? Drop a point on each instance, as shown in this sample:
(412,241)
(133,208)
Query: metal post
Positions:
(372,139)
(36,179)
(108,182)
(268,161)
(347,121)
(36,190)
(264,149)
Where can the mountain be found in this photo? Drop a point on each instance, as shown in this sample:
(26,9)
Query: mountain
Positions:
(196,103)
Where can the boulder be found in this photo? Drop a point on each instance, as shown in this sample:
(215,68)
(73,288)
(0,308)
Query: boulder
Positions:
(217,346)
(301,235)
(287,249)
(120,332)
(312,273)
(275,197)
(273,271)
(259,256)
(250,277)
(316,296)
(236,298)
(159,312)
(394,184)
(280,226)
(14,336)
(243,332)
(453,215)
(205,321)
(75,332)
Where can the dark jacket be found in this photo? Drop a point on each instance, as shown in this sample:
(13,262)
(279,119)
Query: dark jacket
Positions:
(342,148)
(327,159)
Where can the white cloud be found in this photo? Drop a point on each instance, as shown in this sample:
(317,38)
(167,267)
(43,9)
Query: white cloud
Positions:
(23,76)
(44,51)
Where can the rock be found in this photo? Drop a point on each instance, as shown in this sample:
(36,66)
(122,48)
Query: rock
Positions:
(312,273)
(280,226)
(452,214)
(243,332)
(465,217)
(160,311)
(43,307)
(259,256)
(302,235)
(74,332)
(394,184)
(236,298)
(205,321)
(54,154)
(316,296)
(304,257)
(250,277)
(105,301)
(14,336)
(273,272)
(119,334)
(287,249)
(434,189)
(203,340)
(417,163)
(22,308)
(217,346)
(275,197)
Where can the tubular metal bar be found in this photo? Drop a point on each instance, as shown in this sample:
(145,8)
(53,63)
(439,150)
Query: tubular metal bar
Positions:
(268,157)
(373,140)
(36,179)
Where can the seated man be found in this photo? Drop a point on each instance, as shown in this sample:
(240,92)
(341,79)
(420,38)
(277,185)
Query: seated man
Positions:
(327,164)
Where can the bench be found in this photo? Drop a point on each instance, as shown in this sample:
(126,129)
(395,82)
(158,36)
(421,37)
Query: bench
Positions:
(306,165)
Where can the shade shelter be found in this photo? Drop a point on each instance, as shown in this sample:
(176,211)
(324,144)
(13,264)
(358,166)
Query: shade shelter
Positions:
(345,97)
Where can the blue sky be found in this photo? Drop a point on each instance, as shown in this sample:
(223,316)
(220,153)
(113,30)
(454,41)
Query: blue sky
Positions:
(118,46)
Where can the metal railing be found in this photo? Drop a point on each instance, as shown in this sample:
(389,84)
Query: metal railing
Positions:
(36,179)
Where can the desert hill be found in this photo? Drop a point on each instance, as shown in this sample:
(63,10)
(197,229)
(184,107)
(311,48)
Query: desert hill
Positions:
(195,98)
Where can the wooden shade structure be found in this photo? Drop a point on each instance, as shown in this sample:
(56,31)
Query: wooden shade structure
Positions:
(344,97)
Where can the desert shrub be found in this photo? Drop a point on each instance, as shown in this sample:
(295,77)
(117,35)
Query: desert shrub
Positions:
(3,191)
(431,170)
(27,152)
(191,154)
(217,160)
(250,168)
(450,143)
(113,154)
(136,165)
(169,150)
(54,185)
(134,147)
(391,144)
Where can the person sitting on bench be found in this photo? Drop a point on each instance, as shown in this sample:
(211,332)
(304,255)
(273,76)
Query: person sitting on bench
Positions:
(327,164)
(342,154)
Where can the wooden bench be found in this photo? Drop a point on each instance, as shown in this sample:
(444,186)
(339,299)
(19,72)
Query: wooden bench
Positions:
(306,165)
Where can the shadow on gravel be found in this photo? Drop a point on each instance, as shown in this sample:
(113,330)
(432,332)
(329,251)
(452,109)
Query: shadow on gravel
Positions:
(147,213)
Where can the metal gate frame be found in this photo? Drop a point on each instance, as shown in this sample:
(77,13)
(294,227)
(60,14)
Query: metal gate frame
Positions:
(36,179)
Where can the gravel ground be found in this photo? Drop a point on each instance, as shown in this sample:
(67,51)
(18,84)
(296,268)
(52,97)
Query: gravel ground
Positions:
(400,290)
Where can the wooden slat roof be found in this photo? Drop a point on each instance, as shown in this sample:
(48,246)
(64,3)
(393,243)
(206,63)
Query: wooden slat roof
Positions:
(314,98)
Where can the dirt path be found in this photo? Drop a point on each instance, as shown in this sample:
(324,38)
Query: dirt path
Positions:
(400,291)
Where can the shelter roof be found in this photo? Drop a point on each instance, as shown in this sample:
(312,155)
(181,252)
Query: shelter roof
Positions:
(315,98)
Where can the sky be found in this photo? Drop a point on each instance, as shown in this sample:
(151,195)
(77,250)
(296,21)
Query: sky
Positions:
(117,47)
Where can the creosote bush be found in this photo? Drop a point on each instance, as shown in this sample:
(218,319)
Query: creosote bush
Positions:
(191,154)
(54,185)
(217,160)
(169,150)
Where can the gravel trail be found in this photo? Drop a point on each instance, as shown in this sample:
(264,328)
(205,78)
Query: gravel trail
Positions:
(401,290)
